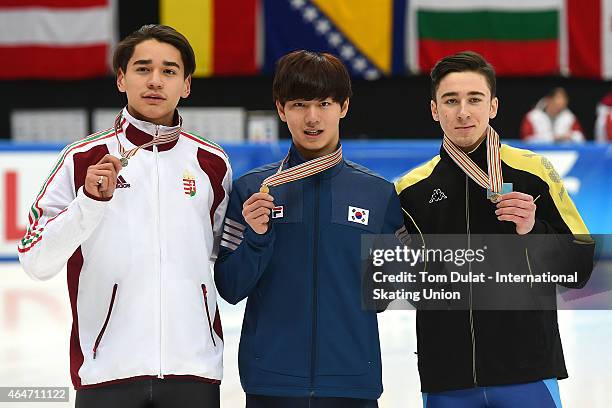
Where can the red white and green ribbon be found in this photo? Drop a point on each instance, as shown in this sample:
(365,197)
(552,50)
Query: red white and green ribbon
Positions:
(157,139)
(303,170)
(493,179)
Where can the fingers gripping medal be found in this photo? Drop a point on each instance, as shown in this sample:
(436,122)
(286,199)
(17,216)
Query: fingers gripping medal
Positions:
(301,171)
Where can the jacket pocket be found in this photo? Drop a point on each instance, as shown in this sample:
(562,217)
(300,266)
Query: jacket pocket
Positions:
(108,315)
(210,326)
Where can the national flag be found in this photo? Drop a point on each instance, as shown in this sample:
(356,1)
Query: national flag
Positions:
(223,34)
(56,39)
(590,38)
(518,37)
(358,215)
(368,37)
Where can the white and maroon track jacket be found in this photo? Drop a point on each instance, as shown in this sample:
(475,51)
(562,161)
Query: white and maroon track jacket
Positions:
(139,265)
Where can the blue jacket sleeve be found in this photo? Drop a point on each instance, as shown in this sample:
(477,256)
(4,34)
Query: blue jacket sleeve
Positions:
(243,254)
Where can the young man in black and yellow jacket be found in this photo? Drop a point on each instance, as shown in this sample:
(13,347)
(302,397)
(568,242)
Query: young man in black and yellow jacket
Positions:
(476,185)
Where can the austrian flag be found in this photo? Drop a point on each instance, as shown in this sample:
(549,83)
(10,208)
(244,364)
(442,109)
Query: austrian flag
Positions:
(56,39)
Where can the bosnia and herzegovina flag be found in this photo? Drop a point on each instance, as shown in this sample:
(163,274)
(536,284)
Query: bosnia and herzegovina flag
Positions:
(245,37)
(367,35)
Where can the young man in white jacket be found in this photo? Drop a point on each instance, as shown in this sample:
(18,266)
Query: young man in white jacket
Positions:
(135,212)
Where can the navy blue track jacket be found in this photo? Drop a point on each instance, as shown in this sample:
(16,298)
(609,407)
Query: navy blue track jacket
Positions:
(305,332)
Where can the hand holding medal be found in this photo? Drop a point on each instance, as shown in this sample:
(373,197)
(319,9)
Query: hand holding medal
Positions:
(519,208)
(256,210)
(101,178)
(510,205)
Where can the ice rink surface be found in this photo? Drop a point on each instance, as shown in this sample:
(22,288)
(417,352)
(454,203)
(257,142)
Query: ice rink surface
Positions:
(35,328)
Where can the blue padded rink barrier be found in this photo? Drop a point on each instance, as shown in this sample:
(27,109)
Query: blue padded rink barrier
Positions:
(35,316)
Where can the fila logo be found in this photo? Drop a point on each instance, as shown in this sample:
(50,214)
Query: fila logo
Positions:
(437,195)
(277,212)
(121,183)
(358,215)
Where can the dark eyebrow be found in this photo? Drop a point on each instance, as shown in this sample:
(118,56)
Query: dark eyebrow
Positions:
(165,63)
(143,62)
(471,93)
(171,64)
(444,95)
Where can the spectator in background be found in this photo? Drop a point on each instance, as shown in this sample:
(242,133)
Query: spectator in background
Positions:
(603,124)
(550,121)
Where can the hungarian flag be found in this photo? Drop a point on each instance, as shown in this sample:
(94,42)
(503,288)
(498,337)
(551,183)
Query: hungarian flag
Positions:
(55,39)
(590,38)
(519,37)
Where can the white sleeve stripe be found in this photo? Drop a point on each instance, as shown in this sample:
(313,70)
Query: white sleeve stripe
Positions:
(234,224)
(231,238)
(233,231)
(228,245)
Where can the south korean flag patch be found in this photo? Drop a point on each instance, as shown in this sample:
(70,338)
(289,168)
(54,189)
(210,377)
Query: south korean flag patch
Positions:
(358,215)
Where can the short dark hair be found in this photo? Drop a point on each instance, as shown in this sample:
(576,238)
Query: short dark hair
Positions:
(310,75)
(462,62)
(161,33)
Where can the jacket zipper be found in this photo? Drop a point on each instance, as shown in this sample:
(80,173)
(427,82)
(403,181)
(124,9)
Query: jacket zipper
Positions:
(313,346)
(103,329)
(467,221)
(157,219)
(205,292)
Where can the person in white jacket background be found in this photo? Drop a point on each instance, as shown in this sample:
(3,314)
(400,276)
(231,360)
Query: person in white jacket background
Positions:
(551,121)
(135,213)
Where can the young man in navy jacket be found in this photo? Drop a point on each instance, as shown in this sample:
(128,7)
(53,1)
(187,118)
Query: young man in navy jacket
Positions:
(292,245)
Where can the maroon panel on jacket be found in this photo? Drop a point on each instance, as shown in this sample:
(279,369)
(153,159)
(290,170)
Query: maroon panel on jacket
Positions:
(74,265)
(214,166)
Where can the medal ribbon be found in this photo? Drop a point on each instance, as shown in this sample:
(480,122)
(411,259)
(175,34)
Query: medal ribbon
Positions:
(157,140)
(494,179)
(303,170)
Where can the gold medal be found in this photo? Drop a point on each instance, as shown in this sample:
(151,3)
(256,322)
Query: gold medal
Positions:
(264,189)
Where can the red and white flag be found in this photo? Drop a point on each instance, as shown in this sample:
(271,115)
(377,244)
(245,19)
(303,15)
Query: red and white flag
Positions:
(590,38)
(56,39)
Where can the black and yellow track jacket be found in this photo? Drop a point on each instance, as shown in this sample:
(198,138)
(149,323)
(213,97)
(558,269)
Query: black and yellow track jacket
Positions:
(468,348)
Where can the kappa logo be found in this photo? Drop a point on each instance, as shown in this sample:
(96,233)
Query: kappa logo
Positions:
(278,212)
(358,215)
(438,195)
(121,183)
(189,184)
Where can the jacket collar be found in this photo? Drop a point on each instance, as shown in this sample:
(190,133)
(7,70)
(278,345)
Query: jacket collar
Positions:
(135,132)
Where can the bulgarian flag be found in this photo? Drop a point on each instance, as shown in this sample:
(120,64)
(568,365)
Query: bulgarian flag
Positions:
(590,38)
(55,39)
(519,37)
(223,33)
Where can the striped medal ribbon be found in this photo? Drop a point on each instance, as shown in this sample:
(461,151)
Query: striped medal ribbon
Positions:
(493,181)
(157,140)
(301,171)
